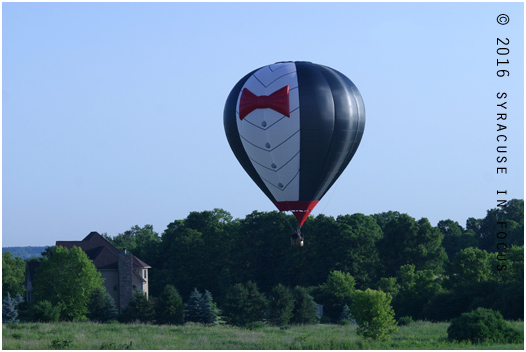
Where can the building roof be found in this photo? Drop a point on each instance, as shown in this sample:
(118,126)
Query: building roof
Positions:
(103,254)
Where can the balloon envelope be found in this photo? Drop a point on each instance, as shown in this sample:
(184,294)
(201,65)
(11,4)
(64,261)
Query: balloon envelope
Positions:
(294,127)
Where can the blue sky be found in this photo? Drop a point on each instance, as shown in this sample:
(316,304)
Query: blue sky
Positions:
(112,113)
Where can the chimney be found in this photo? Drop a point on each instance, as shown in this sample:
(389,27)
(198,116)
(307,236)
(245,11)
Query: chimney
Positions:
(125,265)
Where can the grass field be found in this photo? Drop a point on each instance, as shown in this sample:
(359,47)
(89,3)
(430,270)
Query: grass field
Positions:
(419,335)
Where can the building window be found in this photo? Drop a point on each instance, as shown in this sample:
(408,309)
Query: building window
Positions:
(145,271)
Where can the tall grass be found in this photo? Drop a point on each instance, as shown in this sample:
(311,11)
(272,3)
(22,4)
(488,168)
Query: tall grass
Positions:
(420,335)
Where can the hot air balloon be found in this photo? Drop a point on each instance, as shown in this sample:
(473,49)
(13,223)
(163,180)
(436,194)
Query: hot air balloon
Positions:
(294,127)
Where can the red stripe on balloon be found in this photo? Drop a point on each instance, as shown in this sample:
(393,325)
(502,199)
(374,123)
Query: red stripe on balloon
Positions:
(300,208)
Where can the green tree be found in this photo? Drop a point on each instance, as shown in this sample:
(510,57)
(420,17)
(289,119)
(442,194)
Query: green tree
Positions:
(281,304)
(262,251)
(336,293)
(305,311)
(455,237)
(508,218)
(374,314)
(244,304)
(355,251)
(141,241)
(187,244)
(382,219)
(389,285)
(512,270)
(169,307)
(44,311)
(407,241)
(13,275)
(417,289)
(322,236)
(471,265)
(67,278)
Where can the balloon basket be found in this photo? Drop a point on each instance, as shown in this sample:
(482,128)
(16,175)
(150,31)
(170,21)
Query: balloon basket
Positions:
(296,242)
(297,239)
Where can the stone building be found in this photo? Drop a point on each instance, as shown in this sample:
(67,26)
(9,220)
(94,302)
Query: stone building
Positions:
(123,273)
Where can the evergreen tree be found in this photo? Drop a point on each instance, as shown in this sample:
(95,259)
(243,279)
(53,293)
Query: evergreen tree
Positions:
(281,305)
(112,312)
(194,312)
(169,307)
(244,304)
(346,314)
(209,311)
(102,306)
(305,311)
(139,309)
(97,305)
(9,310)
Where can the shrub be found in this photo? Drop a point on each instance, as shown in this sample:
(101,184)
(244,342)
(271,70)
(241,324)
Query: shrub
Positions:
(403,321)
(59,344)
(44,311)
(482,325)
(374,314)
(17,335)
(115,346)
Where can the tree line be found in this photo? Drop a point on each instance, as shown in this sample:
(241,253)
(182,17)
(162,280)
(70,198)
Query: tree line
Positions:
(429,272)
(25,252)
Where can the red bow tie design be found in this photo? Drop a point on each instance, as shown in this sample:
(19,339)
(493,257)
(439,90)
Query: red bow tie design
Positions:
(278,101)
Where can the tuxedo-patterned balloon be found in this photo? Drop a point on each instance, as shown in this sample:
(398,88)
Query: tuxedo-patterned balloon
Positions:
(294,127)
